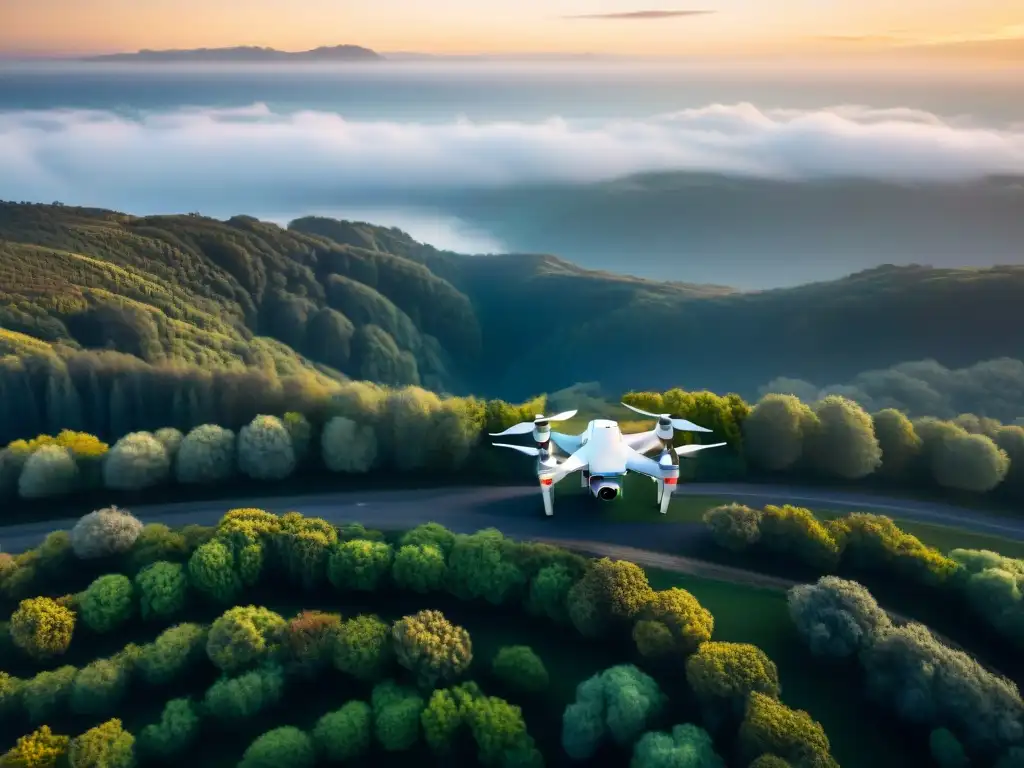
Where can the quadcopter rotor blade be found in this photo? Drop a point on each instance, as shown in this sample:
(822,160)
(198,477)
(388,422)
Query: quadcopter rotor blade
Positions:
(687,450)
(682,425)
(642,413)
(563,416)
(529,450)
(523,428)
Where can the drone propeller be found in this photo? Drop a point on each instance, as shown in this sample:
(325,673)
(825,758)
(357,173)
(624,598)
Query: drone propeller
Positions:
(529,450)
(525,427)
(680,425)
(686,450)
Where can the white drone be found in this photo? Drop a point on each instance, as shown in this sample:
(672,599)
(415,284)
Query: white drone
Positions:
(604,456)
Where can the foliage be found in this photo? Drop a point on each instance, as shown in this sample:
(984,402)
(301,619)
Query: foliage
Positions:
(303,546)
(429,534)
(836,617)
(770,727)
(431,647)
(175,733)
(549,593)
(843,442)
(49,471)
(774,431)
(610,590)
(108,602)
(672,623)
(163,590)
(686,746)
(234,699)
(212,570)
(419,568)
(520,668)
(286,745)
(345,734)
(138,460)
(40,749)
(480,566)
(310,638)
(723,675)
(348,446)
(242,636)
(265,450)
(396,716)
(363,648)
(173,653)
(359,564)
(734,526)
(107,745)
(898,442)
(105,532)
(206,455)
(42,627)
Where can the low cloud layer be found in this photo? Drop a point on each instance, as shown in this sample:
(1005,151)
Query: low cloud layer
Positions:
(255,160)
(638,15)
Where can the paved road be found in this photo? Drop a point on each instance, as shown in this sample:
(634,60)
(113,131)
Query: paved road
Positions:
(516,510)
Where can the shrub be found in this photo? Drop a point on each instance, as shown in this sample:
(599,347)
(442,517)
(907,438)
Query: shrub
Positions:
(549,593)
(108,745)
(206,455)
(396,716)
(687,746)
(445,716)
(500,733)
(138,460)
(898,441)
(518,667)
(672,623)
(309,639)
(236,699)
(836,617)
(969,463)
(105,532)
(243,635)
(42,627)
(621,701)
(795,531)
(107,603)
(212,571)
(40,749)
(10,694)
(480,565)
(46,695)
(173,735)
(156,543)
(359,564)
(429,534)
(774,432)
(99,687)
(771,727)
(420,568)
(431,647)
(734,526)
(843,442)
(50,471)
(301,433)
(363,648)
(946,750)
(265,450)
(171,439)
(610,590)
(345,734)
(303,547)
(282,746)
(348,446)
(163,589)
(723,675)
(876,542)
(173,653)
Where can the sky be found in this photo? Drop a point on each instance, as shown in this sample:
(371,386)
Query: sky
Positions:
(622,27)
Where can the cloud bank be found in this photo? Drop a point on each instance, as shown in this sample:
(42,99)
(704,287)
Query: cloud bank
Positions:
(255,160)
(627,15)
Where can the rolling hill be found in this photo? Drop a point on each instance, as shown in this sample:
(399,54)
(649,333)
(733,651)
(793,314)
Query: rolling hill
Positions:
(348,299)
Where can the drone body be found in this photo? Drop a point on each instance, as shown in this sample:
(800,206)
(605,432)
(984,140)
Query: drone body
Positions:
(604,455)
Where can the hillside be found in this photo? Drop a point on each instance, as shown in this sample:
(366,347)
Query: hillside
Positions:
(361,301)
(243,54)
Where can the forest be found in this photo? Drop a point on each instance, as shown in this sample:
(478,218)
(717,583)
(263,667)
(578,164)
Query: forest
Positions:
(326,298)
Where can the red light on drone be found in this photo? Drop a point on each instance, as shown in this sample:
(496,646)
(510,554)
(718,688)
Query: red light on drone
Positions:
(670,481)
(545,481)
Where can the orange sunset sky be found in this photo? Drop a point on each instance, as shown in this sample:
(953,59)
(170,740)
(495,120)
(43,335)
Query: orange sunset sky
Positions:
(729,27)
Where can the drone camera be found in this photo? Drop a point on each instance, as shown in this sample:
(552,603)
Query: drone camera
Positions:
(604,489)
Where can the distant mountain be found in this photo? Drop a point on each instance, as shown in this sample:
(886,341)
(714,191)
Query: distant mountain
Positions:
(244,54)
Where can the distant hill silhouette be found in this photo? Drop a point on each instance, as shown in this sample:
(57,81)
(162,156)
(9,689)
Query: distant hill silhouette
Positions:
(245,54)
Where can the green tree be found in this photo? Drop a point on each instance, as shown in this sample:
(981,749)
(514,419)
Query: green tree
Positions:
(363,648)
(420,568)
(345,734)
(774,432)
(286,745)
(431,647)
(520,668)
(108,602)
(359,564)
(843,442)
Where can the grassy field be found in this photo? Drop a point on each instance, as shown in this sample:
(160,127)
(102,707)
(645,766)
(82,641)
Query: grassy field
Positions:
(861,735)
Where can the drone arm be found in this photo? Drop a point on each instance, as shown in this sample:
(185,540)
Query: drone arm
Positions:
(642,442)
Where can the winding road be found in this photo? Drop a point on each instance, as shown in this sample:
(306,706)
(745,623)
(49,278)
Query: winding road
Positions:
(517,512)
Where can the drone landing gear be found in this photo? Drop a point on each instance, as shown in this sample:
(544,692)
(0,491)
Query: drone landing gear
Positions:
(547,491)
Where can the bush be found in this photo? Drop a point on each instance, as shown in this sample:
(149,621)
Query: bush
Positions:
(431,647)
(429,534)
(282,746)
(163,590)
(301,433)
(171,439)
(265,450)
(359,564)
(348,446)
(445,716)
(481,566)
(173,654)
(723,675)
(549,593)
(46,695)
(771,727)
(518,667)
(794,531)
(138,460)
(419,568)
(236,699)
(156,543)
(99,687)
(363,648)
(211,570)
(774,432)
(105,532)
(672,624)
(836,617)
(898,441)
(206,455)
(40,749)
(876,542)
(610,590)
(843,442)
(946,750)
(108,745)
(303,547)
(175,734)
(500,733)
(344,735)
(42,628)
(621,701)
(396,716)
(50,471)
(687,746)
(107,603)
(242,636)
(734,526)
(969,463)
(310,638)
